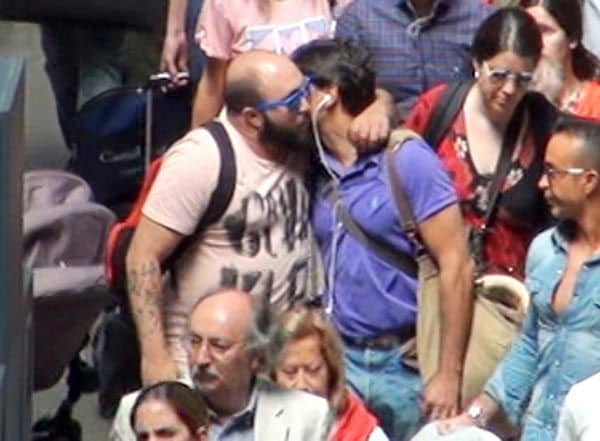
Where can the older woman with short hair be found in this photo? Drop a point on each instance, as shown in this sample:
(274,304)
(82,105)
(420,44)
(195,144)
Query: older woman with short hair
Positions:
(309,357)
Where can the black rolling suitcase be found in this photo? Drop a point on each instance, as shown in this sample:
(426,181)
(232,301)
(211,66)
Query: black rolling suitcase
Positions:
(117,134)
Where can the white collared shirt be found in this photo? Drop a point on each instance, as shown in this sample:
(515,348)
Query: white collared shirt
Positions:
(238,427)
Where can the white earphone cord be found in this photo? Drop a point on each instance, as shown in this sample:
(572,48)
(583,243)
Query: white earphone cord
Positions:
(330,272)
(320,149)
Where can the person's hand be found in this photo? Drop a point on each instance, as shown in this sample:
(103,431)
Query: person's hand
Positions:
(157,370)
(450,425)
(369,129)
(174,58)
(441,397)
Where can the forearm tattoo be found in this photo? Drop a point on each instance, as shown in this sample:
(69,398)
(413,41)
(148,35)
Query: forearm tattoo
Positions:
(144,285)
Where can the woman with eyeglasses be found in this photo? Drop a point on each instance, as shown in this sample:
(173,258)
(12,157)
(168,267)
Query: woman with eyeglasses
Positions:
(568,73)
(169,411)
(497,140)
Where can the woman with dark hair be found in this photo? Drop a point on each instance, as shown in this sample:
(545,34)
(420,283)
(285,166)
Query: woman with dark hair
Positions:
(568,73)
(169,410)
(497,140)
(311,358)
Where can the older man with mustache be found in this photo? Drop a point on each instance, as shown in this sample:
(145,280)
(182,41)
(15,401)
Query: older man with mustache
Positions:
(227,335)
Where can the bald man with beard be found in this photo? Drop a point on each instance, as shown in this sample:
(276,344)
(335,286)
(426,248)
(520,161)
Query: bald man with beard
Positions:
(262,242)
(227,340)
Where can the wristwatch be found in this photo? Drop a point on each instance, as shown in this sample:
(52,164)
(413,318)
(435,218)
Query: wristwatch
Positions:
(475,412)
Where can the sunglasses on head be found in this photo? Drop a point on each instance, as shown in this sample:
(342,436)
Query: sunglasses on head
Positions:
(292,101)
(500,76)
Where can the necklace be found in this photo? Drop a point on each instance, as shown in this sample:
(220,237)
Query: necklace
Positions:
(572,100)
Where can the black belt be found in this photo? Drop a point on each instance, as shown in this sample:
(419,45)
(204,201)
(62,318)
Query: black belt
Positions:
(384,341)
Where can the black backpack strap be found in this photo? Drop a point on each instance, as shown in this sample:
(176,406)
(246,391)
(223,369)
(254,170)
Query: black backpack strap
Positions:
(221,196)
(444,114)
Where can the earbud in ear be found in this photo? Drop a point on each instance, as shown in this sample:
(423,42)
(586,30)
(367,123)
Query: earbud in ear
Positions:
(326,100)
(573,45)
(476,74)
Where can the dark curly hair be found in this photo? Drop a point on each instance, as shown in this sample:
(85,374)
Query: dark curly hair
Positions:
(342,63)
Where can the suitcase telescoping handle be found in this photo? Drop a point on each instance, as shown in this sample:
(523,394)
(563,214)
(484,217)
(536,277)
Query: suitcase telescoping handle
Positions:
(157,81)
(163,79)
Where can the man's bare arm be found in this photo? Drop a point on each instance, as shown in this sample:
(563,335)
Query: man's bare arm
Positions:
(174,58)
(373,125)
(444,235)
(489,408)
(151,245)
(210,93)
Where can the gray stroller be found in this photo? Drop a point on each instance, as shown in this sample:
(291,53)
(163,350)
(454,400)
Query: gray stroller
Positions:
(64,237)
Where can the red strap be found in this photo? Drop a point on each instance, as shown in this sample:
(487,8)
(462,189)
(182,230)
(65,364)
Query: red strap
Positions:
(356,423)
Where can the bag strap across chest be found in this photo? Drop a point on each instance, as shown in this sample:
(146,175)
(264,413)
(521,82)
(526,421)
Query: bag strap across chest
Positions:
(403,261)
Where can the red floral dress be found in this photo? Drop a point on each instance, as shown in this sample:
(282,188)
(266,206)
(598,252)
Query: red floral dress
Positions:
(521,211)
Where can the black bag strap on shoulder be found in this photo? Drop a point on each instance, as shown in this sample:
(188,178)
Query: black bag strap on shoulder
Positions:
(221,196)
(509,144)
(444,114)
(447,108)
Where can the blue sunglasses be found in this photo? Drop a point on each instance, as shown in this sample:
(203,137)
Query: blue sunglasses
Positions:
(293,101)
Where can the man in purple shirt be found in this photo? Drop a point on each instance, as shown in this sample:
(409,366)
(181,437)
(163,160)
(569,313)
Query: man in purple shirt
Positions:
(415,44)
(372,302)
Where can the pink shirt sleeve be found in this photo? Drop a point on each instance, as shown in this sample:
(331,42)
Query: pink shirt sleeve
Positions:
(215,31)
